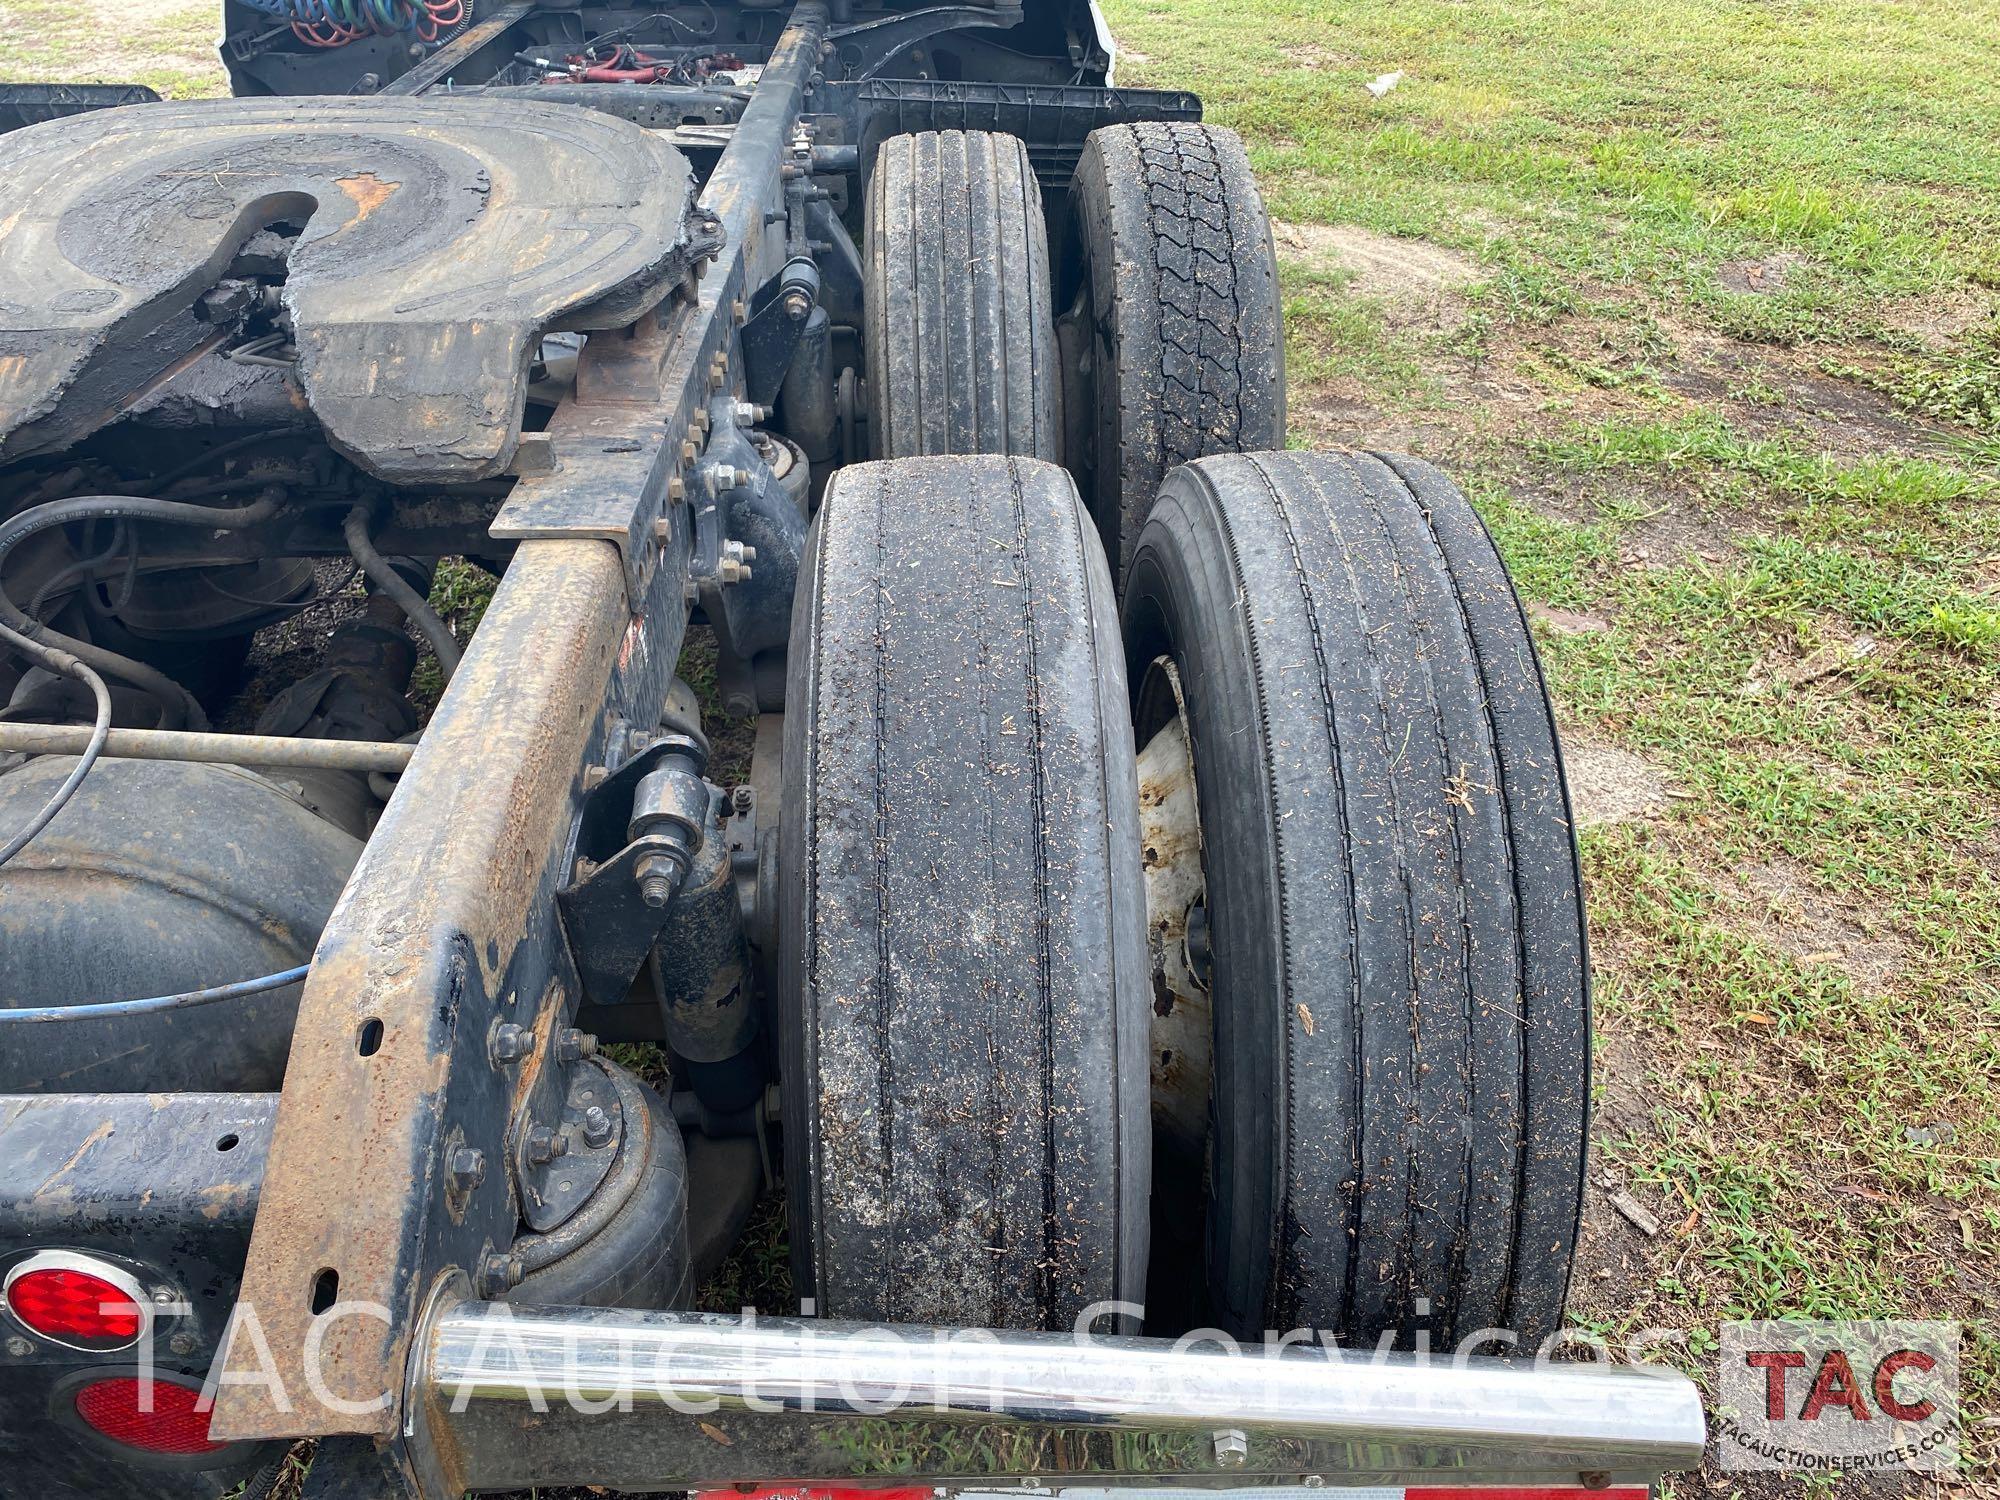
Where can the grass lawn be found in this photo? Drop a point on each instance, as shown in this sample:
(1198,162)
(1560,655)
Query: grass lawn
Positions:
(1698,299)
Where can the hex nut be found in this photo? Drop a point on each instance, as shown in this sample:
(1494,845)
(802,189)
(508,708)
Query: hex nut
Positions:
(545,1145)
(511,1042)
(499,1273)
(467,1168)
(1232,1449)
(574,1044)
(658,876)
(596,1127)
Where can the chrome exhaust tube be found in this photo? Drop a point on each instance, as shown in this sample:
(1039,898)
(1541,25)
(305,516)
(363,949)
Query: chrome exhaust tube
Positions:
(669,1401)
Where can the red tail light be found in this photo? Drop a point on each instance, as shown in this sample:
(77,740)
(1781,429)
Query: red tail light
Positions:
(76,1300)
(168,1423)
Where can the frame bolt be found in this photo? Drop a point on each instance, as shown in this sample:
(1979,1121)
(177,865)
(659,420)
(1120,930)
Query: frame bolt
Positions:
(468,1168)
(734,564)
(19,1347)
(749,413)
(181,1343)
(798,302)
(545,1145)
(658,876)
(499,1273)
(573,1044)
(596,1127)
(1232,1449)
(510,1042)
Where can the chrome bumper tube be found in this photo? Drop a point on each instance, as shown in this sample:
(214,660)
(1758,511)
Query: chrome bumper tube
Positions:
(649,1400)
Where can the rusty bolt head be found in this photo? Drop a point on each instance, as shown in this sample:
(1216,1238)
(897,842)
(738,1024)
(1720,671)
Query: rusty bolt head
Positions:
(182,1344)
(596,1127)
(499,1273)
(742,799)
(573,1044)
(545,1145)
(467,1168)
(798,302)
(663,530)
(19,1347)
(677,489)
(511,1042)
(595,777)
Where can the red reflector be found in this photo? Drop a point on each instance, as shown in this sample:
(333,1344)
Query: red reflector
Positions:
(75,1307)
(173,1425)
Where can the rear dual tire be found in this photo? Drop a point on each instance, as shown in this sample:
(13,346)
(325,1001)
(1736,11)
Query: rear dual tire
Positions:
(1399,985)
(960,337)
(1174,341)
(962,950)
(1399,995)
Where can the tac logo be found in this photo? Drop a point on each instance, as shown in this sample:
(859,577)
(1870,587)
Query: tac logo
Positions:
(1837,1397)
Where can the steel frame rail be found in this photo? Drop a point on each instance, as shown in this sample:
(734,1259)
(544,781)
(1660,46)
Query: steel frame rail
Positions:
(449,925)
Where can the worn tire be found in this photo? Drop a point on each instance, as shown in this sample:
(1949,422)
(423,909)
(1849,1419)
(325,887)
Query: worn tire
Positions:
(1400,984)
(961,332)
(1179,286)
(962,913)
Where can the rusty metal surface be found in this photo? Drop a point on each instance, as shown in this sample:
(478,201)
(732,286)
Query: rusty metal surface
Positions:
(450,926)
(447,928)
(618,447)
(441,238)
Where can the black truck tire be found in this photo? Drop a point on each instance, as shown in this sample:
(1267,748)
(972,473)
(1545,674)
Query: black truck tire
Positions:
(1177,326)
(961,331)
(1399,978)
(962,911)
